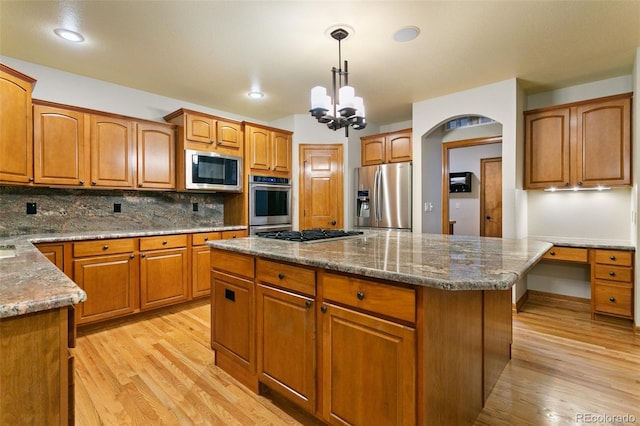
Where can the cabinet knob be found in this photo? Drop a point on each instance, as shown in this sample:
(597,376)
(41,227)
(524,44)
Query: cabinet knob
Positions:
(552,253)
(612,257)
(612,299)
(281,276)
(164,242)
(30,179)
(360,295)
(566,184)
(211,141)
(131,256)
(81,182)
(94,183)
(488,217)
(139,185)
(234,235)
(612,274)
(323,309)
(143,255)
(333,222)
(307,303)
(579,183)
(105,247)
(206,238)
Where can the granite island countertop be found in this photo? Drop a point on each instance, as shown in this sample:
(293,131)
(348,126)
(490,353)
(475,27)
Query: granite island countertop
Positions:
(448,262)
(29,282)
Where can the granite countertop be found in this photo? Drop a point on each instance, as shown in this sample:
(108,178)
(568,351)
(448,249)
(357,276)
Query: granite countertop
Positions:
(448,262)
(585,242)
(30,283)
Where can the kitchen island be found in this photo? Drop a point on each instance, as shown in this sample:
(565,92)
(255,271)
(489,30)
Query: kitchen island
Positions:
(383,328)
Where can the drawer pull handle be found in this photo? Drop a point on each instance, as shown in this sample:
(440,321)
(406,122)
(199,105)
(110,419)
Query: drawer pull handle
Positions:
(105,247)
(552,253)
(612,299)
(323,309)
(281,276)
(164,242)
(613,274)
(612,257)
(360,295)
(307,303)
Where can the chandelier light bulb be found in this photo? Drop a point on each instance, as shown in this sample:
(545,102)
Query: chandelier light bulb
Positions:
(346,95)
(318,97)
(359,105)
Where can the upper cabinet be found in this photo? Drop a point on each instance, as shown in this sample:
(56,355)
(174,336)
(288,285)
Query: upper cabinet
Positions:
(16,131)
(583,144)
(204,132)
(393,147)
(83,148)
(268,150)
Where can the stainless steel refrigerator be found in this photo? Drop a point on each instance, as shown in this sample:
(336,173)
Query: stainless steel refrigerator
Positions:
(383,196)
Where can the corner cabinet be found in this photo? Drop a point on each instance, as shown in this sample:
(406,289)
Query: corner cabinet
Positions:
(16,126)
(393,147)
(268,150)
(583,144)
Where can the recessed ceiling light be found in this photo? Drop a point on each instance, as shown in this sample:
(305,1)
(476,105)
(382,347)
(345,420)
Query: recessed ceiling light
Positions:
(255,95)
(69,35)
(406,34)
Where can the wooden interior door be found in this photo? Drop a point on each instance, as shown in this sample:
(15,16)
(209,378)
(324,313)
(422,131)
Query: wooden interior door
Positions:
(321,194)
(491,197)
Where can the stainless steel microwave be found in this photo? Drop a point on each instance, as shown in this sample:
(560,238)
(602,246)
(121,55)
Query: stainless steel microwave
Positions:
(211,171)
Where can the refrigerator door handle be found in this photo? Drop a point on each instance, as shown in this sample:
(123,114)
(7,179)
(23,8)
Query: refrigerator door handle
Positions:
(376,191)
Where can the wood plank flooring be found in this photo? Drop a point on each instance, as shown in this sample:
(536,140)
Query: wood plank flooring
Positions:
(158,369)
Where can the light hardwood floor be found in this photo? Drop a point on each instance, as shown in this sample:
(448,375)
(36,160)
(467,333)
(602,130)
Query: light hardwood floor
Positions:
(158,369)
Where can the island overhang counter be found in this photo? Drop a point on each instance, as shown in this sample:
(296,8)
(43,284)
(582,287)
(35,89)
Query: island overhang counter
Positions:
(398,327)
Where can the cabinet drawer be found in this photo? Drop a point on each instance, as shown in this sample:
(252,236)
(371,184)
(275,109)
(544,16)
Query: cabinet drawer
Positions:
(570,254)
(163,242)
(98,247)
(290,277)
(383,299)
(234,263)
(613,273)
(614,257)
(613,299)
(202,238)
(226,235)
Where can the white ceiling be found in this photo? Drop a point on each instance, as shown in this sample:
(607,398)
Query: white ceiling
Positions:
(212,53)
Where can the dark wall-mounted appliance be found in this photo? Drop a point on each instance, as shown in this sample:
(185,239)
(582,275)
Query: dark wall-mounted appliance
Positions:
(460,182)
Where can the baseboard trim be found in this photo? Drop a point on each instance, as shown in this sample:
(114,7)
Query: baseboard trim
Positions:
(563,297)
(517,307)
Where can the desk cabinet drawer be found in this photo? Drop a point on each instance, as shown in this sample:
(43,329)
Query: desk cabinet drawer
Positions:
(613,299)
(290,277)
(163,242)
(614,257)
(101,247)
(613,273)
(202,238)
(570,254)
(383,299)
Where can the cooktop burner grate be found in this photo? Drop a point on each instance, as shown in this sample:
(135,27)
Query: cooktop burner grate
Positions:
(308,234)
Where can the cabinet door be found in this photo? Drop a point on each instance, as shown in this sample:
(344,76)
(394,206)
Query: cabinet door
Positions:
(60,146)
(111,284)
(286,344)
(16,130)
(372,150)
(112,152)
(547,149)
(398,147)
(156,156)
(53,252)
(200,132)
(230,137)
(164,277)
(201,271)
(259,152)
(365,355)
(232,319)
(281,152)
(603,148)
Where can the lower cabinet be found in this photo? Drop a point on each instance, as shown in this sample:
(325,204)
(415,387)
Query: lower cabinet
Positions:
(612,283)
(36,373)
(164,274)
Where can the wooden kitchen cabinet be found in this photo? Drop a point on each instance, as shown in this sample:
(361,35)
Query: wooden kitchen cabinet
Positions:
(205,132)
(201,263)
(156,152)
(164,273)
(113,152)
(286,330)
(108,271)
(37,368)
(392,147)
(268,150)
(612,283)
(582,144)
(233,334)
(55,252)
(16,126)
(358,333)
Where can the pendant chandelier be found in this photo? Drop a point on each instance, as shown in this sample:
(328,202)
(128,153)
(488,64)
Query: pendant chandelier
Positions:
(344,109)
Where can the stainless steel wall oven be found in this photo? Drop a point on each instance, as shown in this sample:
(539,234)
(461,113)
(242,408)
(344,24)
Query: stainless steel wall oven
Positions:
(269,204)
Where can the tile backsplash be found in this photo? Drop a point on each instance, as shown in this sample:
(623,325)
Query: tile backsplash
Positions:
(71,210)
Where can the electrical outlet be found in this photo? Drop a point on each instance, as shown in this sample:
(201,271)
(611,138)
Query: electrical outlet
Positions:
(32,208)
(117,208)
(195,207)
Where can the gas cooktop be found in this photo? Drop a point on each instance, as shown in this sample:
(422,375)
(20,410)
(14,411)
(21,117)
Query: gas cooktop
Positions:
(308,235)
